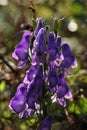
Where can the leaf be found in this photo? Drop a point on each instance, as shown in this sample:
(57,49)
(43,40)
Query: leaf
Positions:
(78,108)
(2,86)
(77,9)
(57,25)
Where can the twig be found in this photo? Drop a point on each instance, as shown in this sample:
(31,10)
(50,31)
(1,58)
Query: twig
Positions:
(11,68)
(11,38)
(32,8)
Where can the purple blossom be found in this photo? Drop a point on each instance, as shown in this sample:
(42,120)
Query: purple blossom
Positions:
(62,90)
(27,112)
(69,58)
(18,102)
(30,74)
(32,96)
(58,42)
(39,77)
(35,88)
(52,47)
(38,54)
(38,27)
(46,123)
(50,61)
(62,101)
(52,78)
(58,85)
(21,50)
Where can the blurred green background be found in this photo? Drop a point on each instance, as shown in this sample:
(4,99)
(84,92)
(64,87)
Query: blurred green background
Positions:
(15,16)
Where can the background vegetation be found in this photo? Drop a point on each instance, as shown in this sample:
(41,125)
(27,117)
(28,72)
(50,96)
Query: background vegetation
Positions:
(15,16)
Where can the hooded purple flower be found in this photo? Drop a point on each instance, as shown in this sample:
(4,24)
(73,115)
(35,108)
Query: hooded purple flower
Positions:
(39,77)
(35,88)
(62,101)
(32,96)
(30,74)
(38,27)
(52,78)
(62,90)
(18,102)
(58,42)
(57,85)
(39,47)
(46,123)
(69,59)
(21,50)
(53,46)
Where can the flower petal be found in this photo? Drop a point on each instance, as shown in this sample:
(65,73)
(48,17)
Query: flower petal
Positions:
(21,50)
(17,105)
(38,27)
(18,102)
(62,102)
(68,56)
(68,95)
(52,77)
(30,75)
(46,123)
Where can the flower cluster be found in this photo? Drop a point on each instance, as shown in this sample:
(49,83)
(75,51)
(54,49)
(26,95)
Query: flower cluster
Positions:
(50,62)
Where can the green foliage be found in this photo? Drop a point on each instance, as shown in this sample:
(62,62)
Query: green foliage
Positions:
(78,107)
(2,86)
(77,9)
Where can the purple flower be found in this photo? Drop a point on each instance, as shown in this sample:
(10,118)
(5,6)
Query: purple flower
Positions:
(57,85)
(30,74)
(52,78)
(58,42)
(46,123)
(62,101)
(39,77)
(62,90)
(39,47)
(27,112)
(38,27)
(21,50)
(32,96)
(35,88)
(38,81)
(58,45)
(18,102)
(52,47)
(69,59)
(50,61)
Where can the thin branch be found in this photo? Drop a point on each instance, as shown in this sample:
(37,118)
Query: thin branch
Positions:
(4,61)
(11,38)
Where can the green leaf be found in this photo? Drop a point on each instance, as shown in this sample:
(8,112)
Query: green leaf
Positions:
(2,86)
(23,126)
(83,104)
(80,107)
(57,25)
(77,9)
